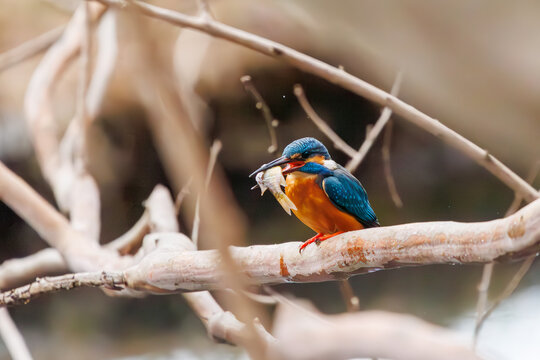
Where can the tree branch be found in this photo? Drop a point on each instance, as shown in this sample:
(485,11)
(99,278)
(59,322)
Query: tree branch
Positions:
(343,79)
(355,252)
(366,334)
(23,294)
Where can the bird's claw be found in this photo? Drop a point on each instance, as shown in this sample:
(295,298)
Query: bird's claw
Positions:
(317,239)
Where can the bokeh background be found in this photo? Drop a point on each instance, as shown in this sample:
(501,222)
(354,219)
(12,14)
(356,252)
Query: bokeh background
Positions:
(474,65)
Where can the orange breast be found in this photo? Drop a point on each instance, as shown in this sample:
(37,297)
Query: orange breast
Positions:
(314,208)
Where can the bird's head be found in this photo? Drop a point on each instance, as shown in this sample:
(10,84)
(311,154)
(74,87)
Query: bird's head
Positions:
(297,154)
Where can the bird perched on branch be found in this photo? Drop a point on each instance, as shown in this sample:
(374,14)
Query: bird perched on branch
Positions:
(328,198)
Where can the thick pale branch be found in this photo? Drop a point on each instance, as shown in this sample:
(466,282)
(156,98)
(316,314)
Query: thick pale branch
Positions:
(371,334)
(352,253)
(39,109)
(343,79)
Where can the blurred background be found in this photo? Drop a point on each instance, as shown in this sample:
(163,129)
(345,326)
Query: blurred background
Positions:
(474,65)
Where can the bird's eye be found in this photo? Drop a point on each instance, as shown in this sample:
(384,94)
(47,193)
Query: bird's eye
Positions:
(305,154)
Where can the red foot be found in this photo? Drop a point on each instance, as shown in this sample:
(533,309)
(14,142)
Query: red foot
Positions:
(317,239)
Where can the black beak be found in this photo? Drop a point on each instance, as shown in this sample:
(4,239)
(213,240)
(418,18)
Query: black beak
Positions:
(279,161)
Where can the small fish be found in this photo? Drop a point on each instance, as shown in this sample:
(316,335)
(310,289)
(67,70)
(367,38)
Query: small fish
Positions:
(273,180)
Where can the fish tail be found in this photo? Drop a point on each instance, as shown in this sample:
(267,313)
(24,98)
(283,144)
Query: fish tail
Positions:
(285,202)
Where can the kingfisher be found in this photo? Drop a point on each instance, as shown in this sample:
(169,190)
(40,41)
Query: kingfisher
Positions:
(328,198)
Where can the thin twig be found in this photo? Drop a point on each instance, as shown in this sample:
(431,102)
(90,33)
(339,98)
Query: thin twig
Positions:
(320,123)
(13,339)
(343,79)
(372,135)
(271,122)
(387,141)
(24,294)
(214,152)
(30,48)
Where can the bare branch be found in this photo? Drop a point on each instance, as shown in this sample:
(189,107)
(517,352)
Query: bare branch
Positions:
(372,135)
(321,124)
(373,334)
(355,252)
(271,122)
(343,79)
(24,294)
(39,109)
(30,48)
(12,337)
(387,140)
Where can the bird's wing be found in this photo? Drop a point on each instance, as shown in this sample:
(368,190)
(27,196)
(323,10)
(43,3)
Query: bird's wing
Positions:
(348,194)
